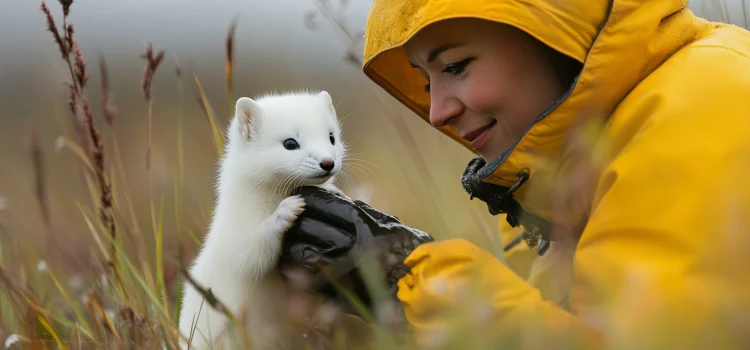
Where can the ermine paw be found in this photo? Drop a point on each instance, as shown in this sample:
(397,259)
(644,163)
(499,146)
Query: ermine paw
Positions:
(288,211)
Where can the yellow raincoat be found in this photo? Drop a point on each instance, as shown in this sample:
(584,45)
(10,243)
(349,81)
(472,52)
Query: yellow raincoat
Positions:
(663,215)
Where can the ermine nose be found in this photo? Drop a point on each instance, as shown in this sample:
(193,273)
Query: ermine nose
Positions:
(326,165)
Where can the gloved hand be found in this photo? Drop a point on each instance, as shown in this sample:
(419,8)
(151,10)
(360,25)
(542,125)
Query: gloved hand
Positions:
(334,235)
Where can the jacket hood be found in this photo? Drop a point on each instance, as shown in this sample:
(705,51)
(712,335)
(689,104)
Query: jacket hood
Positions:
(619,43)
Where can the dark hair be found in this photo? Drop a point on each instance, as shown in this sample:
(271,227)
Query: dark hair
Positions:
(566,68)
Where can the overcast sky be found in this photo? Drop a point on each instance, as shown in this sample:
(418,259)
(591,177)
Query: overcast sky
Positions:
(189,26)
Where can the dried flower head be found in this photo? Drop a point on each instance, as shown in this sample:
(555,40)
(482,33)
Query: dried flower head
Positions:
(69,35)
(79,68)
(149,68)
(64,49)
(108,108)
(72,98)
(66,6)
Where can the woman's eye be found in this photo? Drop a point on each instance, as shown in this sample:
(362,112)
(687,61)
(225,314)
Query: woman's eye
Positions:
(457,68)
(291,144)
(332,139)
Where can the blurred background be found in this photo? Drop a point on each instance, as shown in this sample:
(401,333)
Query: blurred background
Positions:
(412,171)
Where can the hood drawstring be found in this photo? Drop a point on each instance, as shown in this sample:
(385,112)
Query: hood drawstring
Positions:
(499,200)
(531,234)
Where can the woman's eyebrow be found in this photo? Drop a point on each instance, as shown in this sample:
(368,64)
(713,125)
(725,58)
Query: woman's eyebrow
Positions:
(434,53)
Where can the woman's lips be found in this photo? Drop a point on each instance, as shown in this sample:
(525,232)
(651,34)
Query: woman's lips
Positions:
(479,137)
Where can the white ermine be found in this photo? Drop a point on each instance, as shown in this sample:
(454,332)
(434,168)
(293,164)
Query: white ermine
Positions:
(275,143)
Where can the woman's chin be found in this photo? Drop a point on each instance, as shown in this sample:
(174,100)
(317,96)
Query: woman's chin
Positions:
(489,157)
(494,148)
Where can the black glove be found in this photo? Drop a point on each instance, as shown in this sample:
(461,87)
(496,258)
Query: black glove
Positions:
(335,235)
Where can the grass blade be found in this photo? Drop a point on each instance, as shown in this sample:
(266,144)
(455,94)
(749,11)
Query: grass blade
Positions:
(218,137)
(51,331)
(75,308)
(159,258)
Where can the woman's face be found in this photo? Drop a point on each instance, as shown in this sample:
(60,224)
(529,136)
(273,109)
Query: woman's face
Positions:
(487,80)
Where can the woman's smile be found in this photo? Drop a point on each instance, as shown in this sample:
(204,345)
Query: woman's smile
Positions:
(479,137)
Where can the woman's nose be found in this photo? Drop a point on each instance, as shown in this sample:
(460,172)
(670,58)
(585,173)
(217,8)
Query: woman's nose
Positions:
(443,107)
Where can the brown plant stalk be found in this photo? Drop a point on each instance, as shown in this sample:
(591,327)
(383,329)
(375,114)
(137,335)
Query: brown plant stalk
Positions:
(79,104)
(65,43)
(229,65)
(152,62)
(40,187)
(108,108)
(200,96)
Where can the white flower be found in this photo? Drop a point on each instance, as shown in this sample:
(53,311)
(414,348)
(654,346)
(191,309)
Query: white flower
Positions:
(110,314)
(59,144)
(42,266)
(13,339)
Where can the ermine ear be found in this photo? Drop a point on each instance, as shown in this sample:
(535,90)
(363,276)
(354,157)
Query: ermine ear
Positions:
(327,97)
(246,110)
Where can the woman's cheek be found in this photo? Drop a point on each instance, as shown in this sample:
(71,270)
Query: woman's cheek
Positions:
(484,96)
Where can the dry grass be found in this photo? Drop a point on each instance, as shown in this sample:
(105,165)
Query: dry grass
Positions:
(126,295)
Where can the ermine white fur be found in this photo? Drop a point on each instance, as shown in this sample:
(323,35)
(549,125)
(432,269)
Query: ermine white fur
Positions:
(275,143)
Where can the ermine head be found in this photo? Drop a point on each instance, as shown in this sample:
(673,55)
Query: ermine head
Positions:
(287,140)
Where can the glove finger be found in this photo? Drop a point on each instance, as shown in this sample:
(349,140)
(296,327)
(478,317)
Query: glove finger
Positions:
(374,213)
(323,205)
(391,222)
(325,237)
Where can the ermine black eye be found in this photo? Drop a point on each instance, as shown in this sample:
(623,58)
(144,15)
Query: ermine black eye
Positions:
(291,144)
(333,139)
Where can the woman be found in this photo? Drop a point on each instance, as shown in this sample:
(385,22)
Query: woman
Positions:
(616,130)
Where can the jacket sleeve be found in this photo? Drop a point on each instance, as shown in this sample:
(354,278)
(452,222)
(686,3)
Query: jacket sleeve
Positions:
(661,262)
(454,284)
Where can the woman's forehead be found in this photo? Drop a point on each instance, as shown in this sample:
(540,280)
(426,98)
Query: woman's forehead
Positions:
(428,43)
